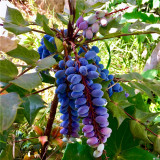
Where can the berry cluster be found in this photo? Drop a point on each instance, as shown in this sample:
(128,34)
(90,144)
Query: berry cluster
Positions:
(81,97)
(92,24)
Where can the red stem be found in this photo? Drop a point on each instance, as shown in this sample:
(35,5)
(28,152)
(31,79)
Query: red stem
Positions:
(120,10)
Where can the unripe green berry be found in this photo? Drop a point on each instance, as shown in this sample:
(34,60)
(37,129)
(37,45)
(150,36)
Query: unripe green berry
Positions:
(100,14)
(92,19)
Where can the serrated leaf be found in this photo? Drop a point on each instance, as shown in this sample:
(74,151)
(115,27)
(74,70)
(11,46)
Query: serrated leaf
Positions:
(14,16)
(130,76)
(128,89)
(8,70)
(6,154)
(144,27)
(47,78)
(15,28)
(145,117)
(138,102)
(139,131)
(136,153)
(9,104)
(112,28)
(96,5)
(59,45)
(157,144)
(40,18)
(150,74)
(29,56)
(3,140)
(78,151)
(46,63)
(143,88)
(62,18)
(28,81)
(32,105)
(47,29)
(50,46)
(117,104)
(120,140)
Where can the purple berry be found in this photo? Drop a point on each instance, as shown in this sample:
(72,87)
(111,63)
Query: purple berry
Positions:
(87,128)
(91,67)
(79,20)
(100,14)
(83,110)
(78,87)
(98,101)
(60,74)
(80,101)
(90,134)
(92,19)
(92,141)
(97,93)
(106,131)
(88,34)
(76,79)
(92,75)
(95,27)
(83,25)
(101,119)
(83,70)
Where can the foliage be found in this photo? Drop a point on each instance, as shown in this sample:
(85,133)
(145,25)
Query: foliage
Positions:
(134,127)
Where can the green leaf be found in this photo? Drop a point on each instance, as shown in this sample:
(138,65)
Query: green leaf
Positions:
(143,88)
(32,105)
(157,144)
(3,140)
(128,89)
(109,51)
(112,28)
(136,153)
(120,141)
(14,16)
(96,5)
(144,27)
(59,45)
(47,29)
(50,46)
(77,151)
(40,18)
(28,81)
(15,28)
(29,56)
(138,102)
(145,117)
(117,104)
(47,78)
(62,18)
(46,63)
(6,154)
(130,76)
(150,74)
(139,131)
(9,104)
(8,70)
(22,92)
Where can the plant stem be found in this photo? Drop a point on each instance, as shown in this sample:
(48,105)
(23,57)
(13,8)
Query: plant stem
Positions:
(51,118)
(7,86)
(120,35)
(26,139)
(141,123)
(40,90)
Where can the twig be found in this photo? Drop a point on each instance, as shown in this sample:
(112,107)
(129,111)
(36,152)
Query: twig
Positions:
(121,35)
(141,124)
(51,118)
(7,86)
(26,139)
(40,90)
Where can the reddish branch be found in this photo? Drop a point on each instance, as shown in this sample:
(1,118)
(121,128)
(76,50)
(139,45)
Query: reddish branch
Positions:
(141,124)
(7,86)
(120,10)
(47,133)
